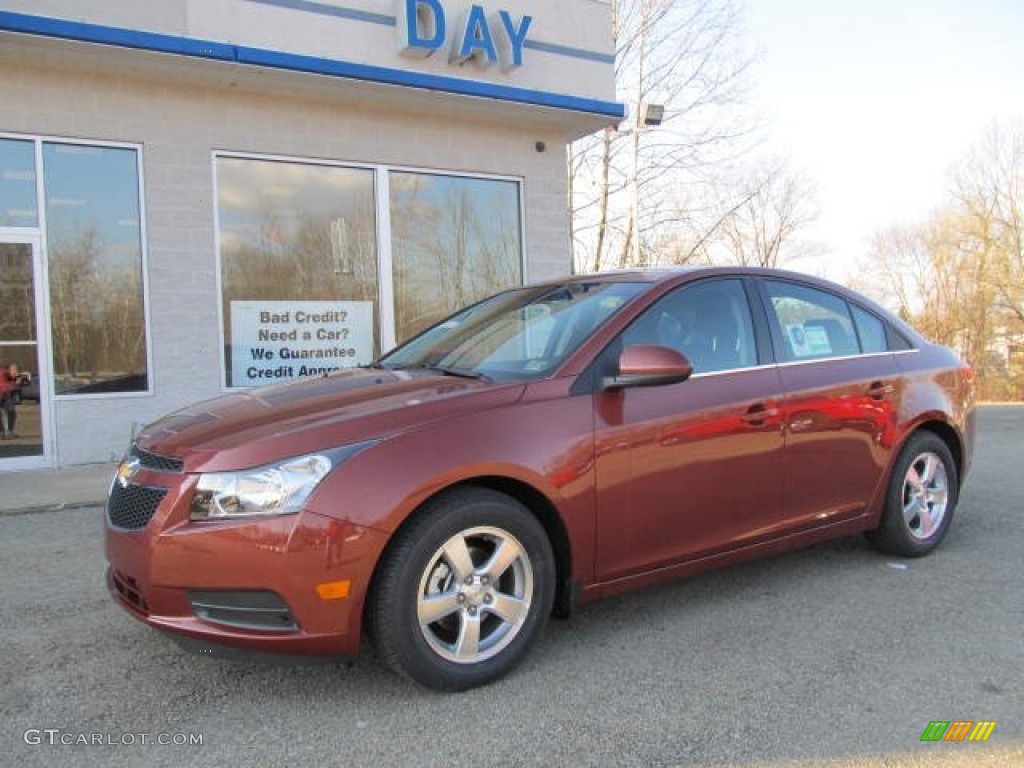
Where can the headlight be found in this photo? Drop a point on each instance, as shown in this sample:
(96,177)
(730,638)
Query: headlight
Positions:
(278,489)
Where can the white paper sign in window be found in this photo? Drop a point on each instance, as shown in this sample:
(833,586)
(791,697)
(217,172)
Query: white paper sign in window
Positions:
(808,340)
(273,341)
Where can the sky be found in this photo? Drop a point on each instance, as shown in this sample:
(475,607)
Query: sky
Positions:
(875,101)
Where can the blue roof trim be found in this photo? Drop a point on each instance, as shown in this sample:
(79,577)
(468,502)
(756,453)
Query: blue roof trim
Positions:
(311,64)
(206,49)
(126,38)
(564,50)
(332,10)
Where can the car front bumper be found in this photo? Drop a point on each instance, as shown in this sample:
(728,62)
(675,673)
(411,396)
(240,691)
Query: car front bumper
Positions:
(293,584)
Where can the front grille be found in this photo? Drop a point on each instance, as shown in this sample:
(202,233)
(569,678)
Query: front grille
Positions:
(132,506)
(155,461)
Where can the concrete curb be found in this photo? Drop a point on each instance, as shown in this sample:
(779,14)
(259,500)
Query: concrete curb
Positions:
(51,490)
(51,508)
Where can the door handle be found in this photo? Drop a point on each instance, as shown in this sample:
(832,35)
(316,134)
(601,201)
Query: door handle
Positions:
(878,390)
(757,414)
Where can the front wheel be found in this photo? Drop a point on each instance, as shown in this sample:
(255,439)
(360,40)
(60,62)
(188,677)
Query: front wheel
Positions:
(922,495)
(463,591)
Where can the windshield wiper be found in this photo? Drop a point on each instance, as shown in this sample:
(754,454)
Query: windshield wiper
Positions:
(462,373)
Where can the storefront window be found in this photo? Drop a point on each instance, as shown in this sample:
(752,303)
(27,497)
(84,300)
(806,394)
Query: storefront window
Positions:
(94,245)
(18,184)
(298,261)
(455,240)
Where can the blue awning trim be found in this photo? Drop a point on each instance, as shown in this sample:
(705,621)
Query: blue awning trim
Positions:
(208,49)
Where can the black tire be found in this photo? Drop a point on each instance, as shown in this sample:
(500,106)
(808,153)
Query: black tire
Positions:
(908,527)
(416,574)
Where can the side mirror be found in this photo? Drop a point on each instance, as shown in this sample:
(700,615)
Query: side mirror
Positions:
(649,365)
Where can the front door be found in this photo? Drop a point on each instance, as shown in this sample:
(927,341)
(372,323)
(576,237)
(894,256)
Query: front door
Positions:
(690,469)
(24,408)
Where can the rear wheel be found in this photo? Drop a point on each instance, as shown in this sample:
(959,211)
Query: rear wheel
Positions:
(922,495)
(464,590)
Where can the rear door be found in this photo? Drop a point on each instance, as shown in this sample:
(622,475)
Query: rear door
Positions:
(842,386)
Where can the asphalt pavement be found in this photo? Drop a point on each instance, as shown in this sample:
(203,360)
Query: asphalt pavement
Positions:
(833,656)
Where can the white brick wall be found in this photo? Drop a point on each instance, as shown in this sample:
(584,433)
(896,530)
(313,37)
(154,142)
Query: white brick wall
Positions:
(180,113)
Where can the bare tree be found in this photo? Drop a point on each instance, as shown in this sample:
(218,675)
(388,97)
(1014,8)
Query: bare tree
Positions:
(923,271)
(960,275)
(762,228)
(989,191)
(627,183)
(898,270)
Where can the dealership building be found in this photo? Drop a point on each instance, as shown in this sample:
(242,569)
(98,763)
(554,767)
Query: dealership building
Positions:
(203,196)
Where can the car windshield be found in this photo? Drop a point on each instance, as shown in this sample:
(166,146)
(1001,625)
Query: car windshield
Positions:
(524,333)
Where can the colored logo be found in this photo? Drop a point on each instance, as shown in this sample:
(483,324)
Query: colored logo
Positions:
(958,730)
(126,470)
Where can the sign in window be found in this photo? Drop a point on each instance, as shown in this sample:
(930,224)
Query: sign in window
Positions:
(282,340)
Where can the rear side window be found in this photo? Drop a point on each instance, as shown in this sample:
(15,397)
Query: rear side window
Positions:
(814,324)
(871,331)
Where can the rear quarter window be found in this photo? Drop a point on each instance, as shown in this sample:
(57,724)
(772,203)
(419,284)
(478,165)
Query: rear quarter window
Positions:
(871,331)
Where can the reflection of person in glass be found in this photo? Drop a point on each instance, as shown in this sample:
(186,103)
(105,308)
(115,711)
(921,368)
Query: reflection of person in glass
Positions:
(11,381)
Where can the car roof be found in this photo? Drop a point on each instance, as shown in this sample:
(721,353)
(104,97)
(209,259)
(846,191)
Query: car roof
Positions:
(664,274)
(655,275)
(651,275)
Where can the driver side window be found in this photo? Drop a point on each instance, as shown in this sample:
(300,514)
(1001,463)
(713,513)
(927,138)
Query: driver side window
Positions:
(709,322)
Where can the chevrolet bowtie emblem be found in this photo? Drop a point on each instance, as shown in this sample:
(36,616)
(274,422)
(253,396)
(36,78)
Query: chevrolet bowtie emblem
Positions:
(126,470)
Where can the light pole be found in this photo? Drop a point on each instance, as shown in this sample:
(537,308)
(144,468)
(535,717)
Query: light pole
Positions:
(647,116)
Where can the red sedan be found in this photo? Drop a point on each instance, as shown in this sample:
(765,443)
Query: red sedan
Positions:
(546,447)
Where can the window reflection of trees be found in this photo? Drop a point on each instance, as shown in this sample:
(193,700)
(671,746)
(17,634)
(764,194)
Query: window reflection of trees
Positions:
(17,318)
(310,236)
(305,232)
(97,317)
(302,264)
(456,240)
(94,256)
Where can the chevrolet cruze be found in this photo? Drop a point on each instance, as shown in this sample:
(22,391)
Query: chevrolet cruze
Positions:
(546,447)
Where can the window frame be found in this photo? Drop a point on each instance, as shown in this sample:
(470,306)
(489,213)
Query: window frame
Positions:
(385,312)
(40,230)
(605,362)
(218,254)
(690,285)
(387,170)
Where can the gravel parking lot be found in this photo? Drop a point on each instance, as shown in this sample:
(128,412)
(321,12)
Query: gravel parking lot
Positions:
(832,656)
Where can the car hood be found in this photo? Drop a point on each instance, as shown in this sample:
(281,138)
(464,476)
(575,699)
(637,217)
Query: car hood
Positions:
(264,425)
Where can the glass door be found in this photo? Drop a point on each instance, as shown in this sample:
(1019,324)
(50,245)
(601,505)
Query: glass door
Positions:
(24,374)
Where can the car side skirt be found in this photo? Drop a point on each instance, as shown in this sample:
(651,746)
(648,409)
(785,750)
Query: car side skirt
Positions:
(729,557)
